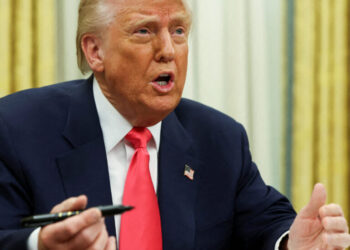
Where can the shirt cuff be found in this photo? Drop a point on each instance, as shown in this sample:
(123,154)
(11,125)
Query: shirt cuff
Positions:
(32,242)
(277,245)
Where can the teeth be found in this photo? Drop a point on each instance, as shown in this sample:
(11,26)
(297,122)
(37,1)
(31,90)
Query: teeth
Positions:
(162,83)
(164,75)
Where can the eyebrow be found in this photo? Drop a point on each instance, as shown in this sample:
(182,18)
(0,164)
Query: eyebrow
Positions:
(181,17)
(143,19)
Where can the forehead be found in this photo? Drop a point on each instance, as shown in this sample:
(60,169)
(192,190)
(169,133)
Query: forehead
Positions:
(156,8)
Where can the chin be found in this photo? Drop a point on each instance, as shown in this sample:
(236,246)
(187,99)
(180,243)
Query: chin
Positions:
(164,105)
(154,113)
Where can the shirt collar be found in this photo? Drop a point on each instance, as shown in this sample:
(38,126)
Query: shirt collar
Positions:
(114,126)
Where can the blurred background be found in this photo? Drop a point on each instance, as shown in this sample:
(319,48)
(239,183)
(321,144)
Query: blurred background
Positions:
(280,67)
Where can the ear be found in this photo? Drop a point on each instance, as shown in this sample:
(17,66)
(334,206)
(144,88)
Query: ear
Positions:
(92,48)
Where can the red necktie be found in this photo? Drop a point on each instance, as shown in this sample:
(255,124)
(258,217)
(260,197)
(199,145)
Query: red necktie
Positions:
(140,229)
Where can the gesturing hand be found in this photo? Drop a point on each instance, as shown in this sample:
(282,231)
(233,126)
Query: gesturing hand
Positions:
(84,231)
(319,226)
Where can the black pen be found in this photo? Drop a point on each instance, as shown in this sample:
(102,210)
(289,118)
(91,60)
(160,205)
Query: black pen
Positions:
(45,219)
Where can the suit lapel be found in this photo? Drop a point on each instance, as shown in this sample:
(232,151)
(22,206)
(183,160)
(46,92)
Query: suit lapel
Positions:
(176,192)
(84,169)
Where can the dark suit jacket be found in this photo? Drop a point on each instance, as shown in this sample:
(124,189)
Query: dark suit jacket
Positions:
(51,148)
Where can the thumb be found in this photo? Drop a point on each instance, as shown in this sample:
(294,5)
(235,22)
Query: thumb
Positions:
(317,200)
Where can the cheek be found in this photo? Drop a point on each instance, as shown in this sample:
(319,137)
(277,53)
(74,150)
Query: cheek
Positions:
(133,67)
(122,71)
(182,69)
(182,59)
(121,54)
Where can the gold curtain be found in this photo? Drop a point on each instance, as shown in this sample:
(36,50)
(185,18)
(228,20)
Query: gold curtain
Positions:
(27,44)
(321,101)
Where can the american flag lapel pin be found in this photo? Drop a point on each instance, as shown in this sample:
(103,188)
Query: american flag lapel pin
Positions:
(189,172)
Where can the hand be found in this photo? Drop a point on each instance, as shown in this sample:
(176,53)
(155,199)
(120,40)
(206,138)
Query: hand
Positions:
(319,226)
(84,231)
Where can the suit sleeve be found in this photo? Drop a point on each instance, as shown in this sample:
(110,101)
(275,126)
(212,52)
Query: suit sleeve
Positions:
(262,213)
(14,195)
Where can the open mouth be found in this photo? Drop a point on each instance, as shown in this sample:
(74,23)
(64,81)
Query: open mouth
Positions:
(163,79)
(164,83)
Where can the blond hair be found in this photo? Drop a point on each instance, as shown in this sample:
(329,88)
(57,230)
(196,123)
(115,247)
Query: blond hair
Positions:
(94,16)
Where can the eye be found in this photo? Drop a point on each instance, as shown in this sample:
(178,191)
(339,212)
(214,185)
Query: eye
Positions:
(142,31)
(179,31)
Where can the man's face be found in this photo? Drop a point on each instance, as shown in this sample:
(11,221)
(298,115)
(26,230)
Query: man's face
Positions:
(145,58)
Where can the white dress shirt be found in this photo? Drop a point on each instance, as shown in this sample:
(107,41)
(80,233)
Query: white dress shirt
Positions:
(119,153)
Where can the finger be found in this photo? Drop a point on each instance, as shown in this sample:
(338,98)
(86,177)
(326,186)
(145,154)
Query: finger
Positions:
(337,240)
(87,236)
(101,240)
(331,210)
(111,244)
(66,229)
(73,203)
(317,200)
(335,224)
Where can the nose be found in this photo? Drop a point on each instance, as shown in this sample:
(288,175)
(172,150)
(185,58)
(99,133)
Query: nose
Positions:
(165,50)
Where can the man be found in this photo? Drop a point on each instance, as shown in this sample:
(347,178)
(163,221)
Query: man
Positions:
(73,138)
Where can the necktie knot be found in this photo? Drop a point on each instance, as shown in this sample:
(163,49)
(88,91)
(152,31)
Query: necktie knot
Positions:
(139,137)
